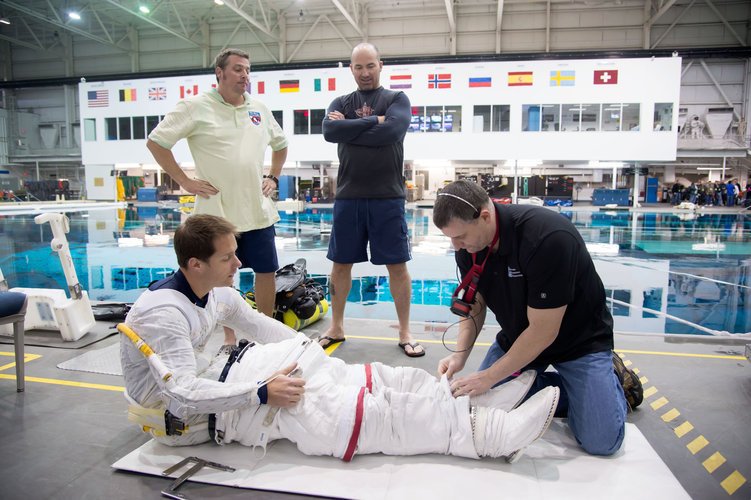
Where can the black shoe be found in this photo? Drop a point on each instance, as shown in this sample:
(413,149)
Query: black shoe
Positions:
(631,384)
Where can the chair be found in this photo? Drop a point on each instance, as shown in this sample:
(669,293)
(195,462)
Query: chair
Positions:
(12,311)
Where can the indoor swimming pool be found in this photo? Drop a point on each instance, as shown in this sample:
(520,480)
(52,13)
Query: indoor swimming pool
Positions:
(676,273)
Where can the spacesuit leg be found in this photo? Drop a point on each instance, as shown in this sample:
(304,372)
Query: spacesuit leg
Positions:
(398,423)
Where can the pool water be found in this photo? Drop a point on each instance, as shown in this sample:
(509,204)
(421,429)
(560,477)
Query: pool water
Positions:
(663,272)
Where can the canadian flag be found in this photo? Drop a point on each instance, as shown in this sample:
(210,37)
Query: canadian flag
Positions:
(188,91)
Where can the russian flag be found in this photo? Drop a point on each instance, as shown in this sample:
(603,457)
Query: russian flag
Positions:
(480,82)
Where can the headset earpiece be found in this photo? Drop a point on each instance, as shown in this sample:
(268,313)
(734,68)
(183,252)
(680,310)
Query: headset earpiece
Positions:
(475,215)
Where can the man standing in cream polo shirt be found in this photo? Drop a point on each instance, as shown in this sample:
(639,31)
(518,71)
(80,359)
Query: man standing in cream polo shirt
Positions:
(228,132)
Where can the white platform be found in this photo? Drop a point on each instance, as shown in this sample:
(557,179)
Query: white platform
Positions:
(553,468)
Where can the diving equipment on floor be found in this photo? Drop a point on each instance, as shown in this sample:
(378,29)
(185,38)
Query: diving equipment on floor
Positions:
(299,300)
(53,309)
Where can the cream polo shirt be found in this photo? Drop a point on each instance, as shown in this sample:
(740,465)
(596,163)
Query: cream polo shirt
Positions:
(228,144)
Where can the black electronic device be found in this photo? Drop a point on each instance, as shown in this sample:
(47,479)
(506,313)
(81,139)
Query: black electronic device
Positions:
(464,295)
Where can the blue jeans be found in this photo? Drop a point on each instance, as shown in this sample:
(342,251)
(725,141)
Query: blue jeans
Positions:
(590,392)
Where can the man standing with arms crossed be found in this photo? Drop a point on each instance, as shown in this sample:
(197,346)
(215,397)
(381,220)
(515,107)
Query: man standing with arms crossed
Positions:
(369,126)
(228,132)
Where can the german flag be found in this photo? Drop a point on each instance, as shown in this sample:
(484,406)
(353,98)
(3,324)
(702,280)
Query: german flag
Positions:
(127,95)
(289,86)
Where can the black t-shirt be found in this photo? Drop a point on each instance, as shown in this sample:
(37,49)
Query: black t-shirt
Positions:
(543,263)
(371,154)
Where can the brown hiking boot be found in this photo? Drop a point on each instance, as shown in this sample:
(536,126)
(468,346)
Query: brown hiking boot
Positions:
(631,384)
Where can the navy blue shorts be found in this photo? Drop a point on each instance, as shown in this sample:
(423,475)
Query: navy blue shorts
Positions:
(378,221)
(256,249)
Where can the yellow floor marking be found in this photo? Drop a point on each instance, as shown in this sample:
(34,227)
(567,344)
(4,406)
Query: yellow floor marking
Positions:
(627,362)
(683,429)
(697,444)
(66,382)
(26,358)
(670,415)
(688,355)
(659,403)
(733,482)
(422,341)
(635,370)
(649,391)
(643,380)
(713,462)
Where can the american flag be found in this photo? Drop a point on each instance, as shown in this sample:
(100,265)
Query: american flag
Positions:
(98,98)
(157,94)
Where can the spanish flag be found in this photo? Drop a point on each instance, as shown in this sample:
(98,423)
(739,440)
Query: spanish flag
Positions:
(127,95)
(289,86)
(519,78)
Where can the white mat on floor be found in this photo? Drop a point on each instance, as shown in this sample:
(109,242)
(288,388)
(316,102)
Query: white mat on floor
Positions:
(553,467)
(105,360)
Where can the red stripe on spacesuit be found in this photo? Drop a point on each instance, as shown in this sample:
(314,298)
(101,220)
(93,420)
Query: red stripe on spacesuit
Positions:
(369,378)
(356,429)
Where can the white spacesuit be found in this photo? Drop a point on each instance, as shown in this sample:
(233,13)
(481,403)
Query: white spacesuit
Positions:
(369,408)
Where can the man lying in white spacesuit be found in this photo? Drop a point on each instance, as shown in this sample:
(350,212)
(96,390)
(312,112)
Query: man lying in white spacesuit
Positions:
(324,406)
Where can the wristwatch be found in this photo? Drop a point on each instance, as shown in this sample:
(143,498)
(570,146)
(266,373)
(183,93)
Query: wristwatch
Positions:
(269,176)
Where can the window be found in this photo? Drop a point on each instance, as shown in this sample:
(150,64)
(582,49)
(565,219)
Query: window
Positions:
(89,129)
(452,118)
(110,129)
(551,118)
(491,118)
(631,117)
(301,121)
(434,118)
(663,119)
(309,121)
(151,123)
(530,117)
(139,127)
(611,117)
(279,117)
(124,123)
(417,122)
(316,120)
(481,119)
(590,118)
(500,118)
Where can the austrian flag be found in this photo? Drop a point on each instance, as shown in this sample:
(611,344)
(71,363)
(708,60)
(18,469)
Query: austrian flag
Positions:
(606,77)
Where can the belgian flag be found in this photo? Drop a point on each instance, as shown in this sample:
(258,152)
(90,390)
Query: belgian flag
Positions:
(127,95)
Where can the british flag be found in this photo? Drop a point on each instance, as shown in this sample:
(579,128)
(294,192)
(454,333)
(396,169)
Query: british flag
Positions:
(157,94)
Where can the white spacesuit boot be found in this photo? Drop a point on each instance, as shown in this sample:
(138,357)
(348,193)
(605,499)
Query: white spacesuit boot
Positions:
(505,434)
(506,396)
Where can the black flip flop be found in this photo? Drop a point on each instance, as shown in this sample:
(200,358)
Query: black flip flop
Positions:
(331,341)
(413,345)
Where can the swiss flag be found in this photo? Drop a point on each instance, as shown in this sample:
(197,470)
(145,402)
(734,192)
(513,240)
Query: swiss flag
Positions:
(184,91)
(606,77)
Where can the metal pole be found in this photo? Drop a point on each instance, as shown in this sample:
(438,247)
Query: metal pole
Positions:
(636,185)
(516,182)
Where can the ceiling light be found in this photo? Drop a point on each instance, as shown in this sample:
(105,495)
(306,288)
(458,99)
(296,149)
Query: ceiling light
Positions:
(4,20)
(144,9)
(218,2)
(74,15)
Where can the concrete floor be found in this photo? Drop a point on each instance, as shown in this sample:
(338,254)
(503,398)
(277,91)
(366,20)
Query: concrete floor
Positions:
(60,440)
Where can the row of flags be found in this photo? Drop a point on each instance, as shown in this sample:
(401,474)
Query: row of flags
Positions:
(566,78)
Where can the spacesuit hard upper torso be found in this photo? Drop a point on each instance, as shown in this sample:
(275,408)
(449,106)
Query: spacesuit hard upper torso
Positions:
(177,330)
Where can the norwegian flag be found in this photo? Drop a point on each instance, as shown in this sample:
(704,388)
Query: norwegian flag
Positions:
(185,91)
(439,81)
